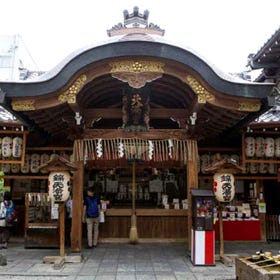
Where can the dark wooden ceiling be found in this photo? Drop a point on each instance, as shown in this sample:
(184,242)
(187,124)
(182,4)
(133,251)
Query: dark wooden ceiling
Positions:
(100,103)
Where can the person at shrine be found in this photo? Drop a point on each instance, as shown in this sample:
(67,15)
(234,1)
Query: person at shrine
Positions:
(7,219)
(91,217)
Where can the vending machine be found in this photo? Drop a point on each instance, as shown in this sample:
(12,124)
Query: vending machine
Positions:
(202,232)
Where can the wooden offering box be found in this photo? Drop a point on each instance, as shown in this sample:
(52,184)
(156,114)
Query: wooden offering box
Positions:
(258,268)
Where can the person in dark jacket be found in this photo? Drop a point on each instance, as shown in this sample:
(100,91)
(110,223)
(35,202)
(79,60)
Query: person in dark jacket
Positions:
(91,216)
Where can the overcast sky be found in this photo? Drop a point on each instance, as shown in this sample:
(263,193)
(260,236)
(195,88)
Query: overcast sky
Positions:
(222,31)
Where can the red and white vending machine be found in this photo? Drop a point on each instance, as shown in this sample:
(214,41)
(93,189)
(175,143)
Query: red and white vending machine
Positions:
(202,232)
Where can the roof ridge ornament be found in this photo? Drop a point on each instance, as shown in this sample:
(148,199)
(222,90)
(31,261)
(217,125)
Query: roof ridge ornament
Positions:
(135,22)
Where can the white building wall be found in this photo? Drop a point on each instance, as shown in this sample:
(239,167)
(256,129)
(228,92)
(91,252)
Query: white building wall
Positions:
(14,58)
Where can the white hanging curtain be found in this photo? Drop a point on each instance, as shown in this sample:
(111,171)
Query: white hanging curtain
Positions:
(135,148)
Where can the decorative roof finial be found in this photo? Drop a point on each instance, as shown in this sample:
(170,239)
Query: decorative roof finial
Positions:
(133,22)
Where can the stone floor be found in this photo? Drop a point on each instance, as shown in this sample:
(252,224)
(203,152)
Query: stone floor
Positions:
(122,261)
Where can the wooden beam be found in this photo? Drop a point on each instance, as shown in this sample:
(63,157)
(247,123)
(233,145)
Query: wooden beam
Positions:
(156,134)
(116,113)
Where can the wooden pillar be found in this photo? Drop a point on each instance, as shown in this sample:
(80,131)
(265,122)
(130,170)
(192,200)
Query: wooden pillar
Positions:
(61,211)
(77,210)
(192,183)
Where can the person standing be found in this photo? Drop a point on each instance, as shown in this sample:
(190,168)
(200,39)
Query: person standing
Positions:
(7,218)
(91,216)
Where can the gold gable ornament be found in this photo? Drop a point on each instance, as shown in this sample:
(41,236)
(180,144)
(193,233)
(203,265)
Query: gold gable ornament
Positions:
(70,94)
(137,73)
(203,95)
(24,105)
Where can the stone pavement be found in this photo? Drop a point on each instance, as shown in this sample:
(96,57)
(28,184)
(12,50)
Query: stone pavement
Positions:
(122,261)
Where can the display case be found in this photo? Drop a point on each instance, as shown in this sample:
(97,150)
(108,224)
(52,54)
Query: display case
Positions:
(202,232)
(41,225)
(202,209)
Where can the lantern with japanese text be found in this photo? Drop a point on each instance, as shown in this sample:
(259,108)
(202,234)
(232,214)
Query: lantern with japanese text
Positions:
(259,145)
(59,181)
(6,167)
(26,167)
(17,147)
(250,146)
(269,147)
(7,147)
(59,186)
(223,185)
(34,163)
(224,188)
(44,158)
(277,147)
(15,168)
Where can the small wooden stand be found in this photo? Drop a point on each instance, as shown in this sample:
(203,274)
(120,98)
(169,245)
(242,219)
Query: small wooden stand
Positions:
(227,166)
(59,261)
(60,164)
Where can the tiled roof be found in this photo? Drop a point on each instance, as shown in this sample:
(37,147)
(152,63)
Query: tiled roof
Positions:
(268,55)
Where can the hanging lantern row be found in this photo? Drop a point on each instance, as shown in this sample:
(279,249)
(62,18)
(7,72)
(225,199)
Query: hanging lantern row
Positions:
(252,168)
(262,168)
(262,147)
(31,164)
(11,147)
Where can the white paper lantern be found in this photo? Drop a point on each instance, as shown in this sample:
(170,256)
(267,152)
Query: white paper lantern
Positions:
(17,147)
(263,168)
(272,168)
(52,156)
(259,145)
(254,168)
(43,159)
(26,167)
(269,147)
(34,163)
(15,168)
(7,147)
(224,188)
(277,147)
(59,186)
(249,146)
(6,167)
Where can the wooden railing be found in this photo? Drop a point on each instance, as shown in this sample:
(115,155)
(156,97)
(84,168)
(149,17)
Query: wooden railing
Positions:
(272,227)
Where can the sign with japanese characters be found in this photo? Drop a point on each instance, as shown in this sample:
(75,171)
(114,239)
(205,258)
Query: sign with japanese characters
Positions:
(224,188)
(59,186)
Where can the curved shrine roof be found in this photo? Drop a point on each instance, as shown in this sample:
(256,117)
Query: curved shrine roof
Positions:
(186,85)
(138,45)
